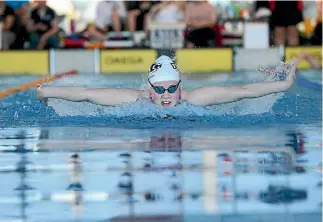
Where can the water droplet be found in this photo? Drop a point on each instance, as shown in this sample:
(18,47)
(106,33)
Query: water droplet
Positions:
(16,115)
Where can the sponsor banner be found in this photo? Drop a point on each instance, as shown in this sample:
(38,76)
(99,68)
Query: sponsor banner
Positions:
(204,60)
(252,59)
(113,61)
(67,59)
(293,52)
(24,62)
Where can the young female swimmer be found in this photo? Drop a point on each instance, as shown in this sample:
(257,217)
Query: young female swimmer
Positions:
(165,89)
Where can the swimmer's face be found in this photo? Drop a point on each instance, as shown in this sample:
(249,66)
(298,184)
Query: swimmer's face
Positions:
(165,99)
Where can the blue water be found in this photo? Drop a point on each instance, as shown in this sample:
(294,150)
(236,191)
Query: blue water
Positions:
(254,160)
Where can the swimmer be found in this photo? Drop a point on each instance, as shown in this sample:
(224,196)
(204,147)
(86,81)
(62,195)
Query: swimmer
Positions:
(165,89)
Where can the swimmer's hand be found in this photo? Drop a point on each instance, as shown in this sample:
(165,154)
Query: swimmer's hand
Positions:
(286,72)
(40,94)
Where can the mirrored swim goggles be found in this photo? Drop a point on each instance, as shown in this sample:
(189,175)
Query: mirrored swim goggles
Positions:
(160,89)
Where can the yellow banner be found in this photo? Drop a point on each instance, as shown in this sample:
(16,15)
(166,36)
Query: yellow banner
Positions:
(126,60)
(24,62)
(204,60)
(293,52)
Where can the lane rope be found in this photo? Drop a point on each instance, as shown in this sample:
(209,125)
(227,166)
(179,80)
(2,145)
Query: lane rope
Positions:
(35,83)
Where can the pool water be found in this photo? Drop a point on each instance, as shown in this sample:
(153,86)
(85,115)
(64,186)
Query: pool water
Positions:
(253,160)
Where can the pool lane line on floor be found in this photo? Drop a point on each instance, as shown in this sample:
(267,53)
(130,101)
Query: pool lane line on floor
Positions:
(26,86)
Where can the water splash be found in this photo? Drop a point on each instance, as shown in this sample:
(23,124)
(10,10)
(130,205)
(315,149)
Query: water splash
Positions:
(277,73)
(143,107)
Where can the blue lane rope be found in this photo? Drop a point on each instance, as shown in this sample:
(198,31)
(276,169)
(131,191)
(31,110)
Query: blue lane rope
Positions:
(303,81)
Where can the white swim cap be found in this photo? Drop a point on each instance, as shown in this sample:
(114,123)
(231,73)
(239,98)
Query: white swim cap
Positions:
(163,69)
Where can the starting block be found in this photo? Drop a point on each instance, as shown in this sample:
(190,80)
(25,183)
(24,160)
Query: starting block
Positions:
(167,36)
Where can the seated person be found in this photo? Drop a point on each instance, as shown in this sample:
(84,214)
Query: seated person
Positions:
(110,15)
(167,12)
(43,27)
(21,9)
(200,19)
(137,15)
(7,18)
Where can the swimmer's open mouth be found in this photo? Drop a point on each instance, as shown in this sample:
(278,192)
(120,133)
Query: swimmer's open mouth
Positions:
(166,103)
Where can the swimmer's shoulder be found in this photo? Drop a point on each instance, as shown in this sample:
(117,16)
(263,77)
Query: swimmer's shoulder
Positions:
(184,94)
(144,93)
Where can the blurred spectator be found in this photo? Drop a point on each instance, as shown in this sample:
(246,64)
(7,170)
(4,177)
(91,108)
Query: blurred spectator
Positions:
(168,12)
(110,15)
(138,15)
(262,11)
(21,9)
(317,35)
(7,19)
(261,4)
(285,16)
(43,27)
(201,20)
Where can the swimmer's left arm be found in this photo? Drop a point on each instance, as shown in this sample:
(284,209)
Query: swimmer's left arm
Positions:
(315,63)
(212,95)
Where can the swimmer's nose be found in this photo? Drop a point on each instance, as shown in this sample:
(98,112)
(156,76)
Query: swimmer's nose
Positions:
(166,95)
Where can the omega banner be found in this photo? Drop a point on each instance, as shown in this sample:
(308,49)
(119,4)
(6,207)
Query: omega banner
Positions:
(114,61)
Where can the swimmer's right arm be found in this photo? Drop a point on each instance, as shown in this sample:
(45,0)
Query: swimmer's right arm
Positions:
(100,96)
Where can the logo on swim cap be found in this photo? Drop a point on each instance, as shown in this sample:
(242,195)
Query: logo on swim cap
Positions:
(163,69)
(154,67)
(174,66)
